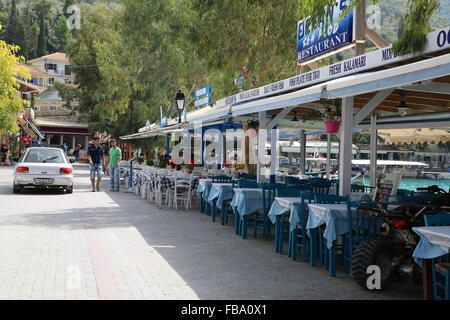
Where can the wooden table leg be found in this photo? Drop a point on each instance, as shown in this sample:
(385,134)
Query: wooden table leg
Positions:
(427,280)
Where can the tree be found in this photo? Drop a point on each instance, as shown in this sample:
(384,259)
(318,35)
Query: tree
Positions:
(15,29)
(245,38)
(10,103)
(62,34)
(42,38)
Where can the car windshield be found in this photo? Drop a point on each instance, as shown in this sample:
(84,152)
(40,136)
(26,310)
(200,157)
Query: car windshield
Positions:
(44,156)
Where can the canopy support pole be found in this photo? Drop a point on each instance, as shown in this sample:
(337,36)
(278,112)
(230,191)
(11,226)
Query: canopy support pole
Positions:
(373,150)
(273,154)
(261,146)
(345,157)
(302,151)
(328,155)
(168,144)
(220,151)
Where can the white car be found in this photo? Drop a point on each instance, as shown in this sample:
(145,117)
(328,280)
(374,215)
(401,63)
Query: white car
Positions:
(43,168)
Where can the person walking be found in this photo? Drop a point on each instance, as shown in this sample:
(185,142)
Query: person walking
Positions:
(115,156)
(76,152)
(96,156)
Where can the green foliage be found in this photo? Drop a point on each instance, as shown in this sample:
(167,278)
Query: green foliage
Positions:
(62,35)
(10,103)
(150,162)
(162,165)
(67,93)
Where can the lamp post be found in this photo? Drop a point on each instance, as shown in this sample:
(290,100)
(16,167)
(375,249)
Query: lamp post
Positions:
(180,104)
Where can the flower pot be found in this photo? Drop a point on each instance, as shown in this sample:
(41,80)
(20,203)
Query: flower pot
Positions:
(252,133)
(332,126)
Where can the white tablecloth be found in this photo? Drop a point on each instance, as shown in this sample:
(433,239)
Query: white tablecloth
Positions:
(439,235)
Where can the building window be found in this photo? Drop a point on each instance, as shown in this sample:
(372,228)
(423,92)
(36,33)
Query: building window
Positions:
(53,108)
(67,70)
(50,66)
(37,108)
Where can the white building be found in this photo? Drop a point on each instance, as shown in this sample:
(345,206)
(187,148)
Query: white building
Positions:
(57,65)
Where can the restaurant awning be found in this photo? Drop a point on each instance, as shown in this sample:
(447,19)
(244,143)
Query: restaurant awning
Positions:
(415,135)
(31,124)
(353,85)
(24,125)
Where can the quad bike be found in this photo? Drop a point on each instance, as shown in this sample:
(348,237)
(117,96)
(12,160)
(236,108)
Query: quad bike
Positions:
(392,252)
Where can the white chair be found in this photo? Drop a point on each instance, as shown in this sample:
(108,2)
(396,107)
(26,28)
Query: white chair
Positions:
(182,190)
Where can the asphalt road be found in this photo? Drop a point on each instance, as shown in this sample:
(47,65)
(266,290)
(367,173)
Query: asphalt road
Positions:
(105,245)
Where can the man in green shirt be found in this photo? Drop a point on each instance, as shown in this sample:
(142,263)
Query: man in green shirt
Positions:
(115,155)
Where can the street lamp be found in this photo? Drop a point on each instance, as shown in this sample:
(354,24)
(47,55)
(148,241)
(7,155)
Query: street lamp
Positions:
(180,104)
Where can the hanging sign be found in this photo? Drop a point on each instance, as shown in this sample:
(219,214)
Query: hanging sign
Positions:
(202,102)
(202,92)
(314,43)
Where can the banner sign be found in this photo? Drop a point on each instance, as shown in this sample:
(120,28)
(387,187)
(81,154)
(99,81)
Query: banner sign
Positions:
(202,101)
(202,92)
(313,43)
(436,41)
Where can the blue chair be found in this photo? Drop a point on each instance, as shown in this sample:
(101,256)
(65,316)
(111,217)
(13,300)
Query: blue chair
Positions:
(403,192)
(362,227)
(222,179)
(404,199)
(246,176)
(248,184)
(298,238)
(424,197)
(320,187)
(289,192)
(260,219)
(441,265)
(328,256)
(357,188)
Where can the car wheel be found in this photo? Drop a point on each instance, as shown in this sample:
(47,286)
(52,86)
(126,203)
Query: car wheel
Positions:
(16,188)
(69,189)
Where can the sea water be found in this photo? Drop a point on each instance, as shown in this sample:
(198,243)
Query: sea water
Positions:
(413,184)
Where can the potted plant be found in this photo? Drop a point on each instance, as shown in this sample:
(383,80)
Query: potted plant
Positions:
(332,114)
(189,168)
(140,160)
(162,165)
(150,163)
(253,126)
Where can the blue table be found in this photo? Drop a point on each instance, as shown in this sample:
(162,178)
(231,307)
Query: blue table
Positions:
(200,190)
(219,191)
(334,216)
(281,206)
(434,242)
(245,202)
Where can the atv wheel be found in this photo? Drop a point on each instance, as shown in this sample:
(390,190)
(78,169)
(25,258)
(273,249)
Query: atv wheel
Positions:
(369,253)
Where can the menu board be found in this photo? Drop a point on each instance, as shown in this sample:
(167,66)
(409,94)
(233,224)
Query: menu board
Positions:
(387,186)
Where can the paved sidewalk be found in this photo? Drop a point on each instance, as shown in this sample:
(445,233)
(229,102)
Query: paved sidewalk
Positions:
(105,245)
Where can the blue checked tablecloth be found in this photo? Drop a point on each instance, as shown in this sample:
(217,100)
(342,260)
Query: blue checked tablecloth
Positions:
(434,242)
(333,215)
(247,200)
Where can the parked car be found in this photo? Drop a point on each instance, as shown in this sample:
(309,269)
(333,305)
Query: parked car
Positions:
(42,167)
